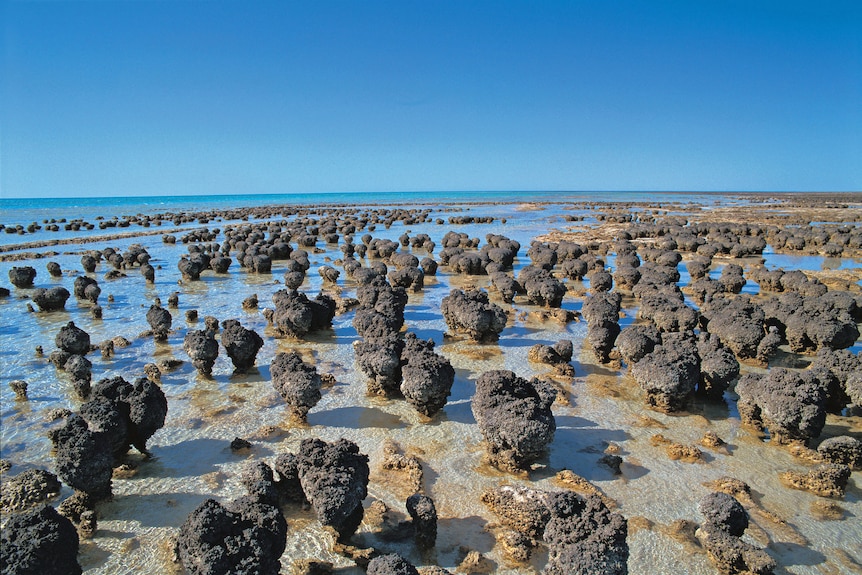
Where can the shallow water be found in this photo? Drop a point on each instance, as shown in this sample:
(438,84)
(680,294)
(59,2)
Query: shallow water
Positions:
(192,459)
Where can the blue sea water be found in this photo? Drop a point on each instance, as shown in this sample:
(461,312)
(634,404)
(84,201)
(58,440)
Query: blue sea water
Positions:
(192,460)
(27,210)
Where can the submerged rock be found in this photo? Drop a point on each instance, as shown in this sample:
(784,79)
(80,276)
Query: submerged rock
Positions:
(825,480)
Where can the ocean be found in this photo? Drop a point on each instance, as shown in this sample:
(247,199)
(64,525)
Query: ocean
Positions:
(192,459)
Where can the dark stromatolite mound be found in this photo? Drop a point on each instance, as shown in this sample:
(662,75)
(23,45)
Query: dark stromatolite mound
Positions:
(541,287)
(698,267)
(726,521)
(334,478)
(220,264)
(160,322)
(297,382)
(384,317)
(88,262)
(142,405)
(287,483)
(241,344)
(725,512)
(514,416)
(626,277)
(789,404)
(637,341)
(670,374)
(500,250)
(584,537)
(843,450)
(54,269)
(815,322)
(600,281)
(574,269)
(246,537)
(667,312)
(471,313)
(842,364)
(391,564)
(731,278)
(427,377)
(718,366)
(73,339)
(423,514)
(80,369)
(19,386)
(506,286)
(560,352)
(409,277)
(22,277)
(111,420)
(84,458)
(738,323)
(602,312)
(429,266)
(202,348)
(149,273)
(27,489)
(259,480)
(380,360)
(86,288)
(295,314)
(39,541)
(191,267)
(329,274)
(51,299)
(542,255)
(468,263)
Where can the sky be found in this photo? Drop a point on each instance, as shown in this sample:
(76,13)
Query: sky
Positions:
(186,97)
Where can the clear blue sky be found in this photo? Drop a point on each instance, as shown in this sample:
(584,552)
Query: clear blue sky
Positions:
(198,97)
